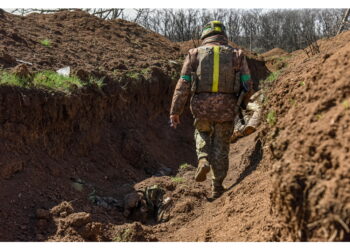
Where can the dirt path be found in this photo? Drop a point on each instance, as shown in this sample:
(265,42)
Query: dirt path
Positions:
(241,214)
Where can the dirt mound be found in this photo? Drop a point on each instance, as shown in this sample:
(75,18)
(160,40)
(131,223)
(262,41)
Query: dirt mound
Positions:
(107,138)
(82,41)
(276,52)
(308,147)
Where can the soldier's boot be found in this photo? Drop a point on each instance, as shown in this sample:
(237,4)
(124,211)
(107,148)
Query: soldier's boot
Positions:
(202,170)
(217,191)
(249,130)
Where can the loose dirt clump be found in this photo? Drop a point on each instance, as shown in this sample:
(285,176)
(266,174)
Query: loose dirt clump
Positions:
(308,147)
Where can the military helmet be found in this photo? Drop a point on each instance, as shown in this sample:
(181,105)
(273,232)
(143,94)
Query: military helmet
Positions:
(213,28)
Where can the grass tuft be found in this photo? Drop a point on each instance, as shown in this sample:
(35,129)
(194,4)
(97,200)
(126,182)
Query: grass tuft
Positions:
(319,117)
(12,79)
(133,75)
(49,80)
(184,165)
(124,236)
(52,80)
(346,104)
(273,76)
(177,179)
(99,82)
(46,42)
(271,118)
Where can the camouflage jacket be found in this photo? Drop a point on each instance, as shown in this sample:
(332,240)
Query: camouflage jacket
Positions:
(211,106)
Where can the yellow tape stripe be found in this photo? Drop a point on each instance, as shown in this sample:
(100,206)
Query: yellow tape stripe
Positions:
(215,86)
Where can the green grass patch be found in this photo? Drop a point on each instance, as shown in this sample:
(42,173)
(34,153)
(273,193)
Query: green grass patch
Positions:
(133,75)
(292,102)
(49,80)
(52,80)
(46,42)
(99,82)
(346,104)
(273,76)
(184,166)
(12,79)
(177,179)
(319,117)
(271,118)
(145,71)
(123,236)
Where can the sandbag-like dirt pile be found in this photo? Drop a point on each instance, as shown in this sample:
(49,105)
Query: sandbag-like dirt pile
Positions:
(57,146)
(308,111)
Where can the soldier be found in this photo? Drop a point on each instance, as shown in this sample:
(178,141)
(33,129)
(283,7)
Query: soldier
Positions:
(209,73)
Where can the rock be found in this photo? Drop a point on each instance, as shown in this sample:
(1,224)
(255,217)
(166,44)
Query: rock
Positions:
(78,219)
(62,207)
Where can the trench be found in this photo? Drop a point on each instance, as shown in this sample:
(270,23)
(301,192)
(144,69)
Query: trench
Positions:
(67,161)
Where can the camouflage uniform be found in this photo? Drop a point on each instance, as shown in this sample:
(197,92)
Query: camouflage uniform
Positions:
(214,113)
(251,116)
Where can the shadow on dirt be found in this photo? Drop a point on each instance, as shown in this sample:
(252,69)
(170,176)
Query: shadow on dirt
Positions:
(251,160)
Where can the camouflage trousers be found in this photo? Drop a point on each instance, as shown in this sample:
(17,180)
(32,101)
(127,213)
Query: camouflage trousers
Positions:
(213,142)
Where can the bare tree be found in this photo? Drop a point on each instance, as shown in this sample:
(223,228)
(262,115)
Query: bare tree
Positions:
(344,21)
(106,13)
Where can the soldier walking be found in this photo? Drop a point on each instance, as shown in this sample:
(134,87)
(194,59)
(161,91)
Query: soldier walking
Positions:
(208,75)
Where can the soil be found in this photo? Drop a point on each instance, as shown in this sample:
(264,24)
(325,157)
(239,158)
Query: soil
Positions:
(308,147)
(110,137)
(67,161)
(276,52)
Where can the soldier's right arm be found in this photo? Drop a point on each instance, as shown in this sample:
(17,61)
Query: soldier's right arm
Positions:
(183,86)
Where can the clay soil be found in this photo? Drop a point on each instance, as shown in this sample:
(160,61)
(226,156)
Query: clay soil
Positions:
(288,181)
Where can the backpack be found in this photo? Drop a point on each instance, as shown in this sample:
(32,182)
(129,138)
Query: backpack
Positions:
(215,72)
